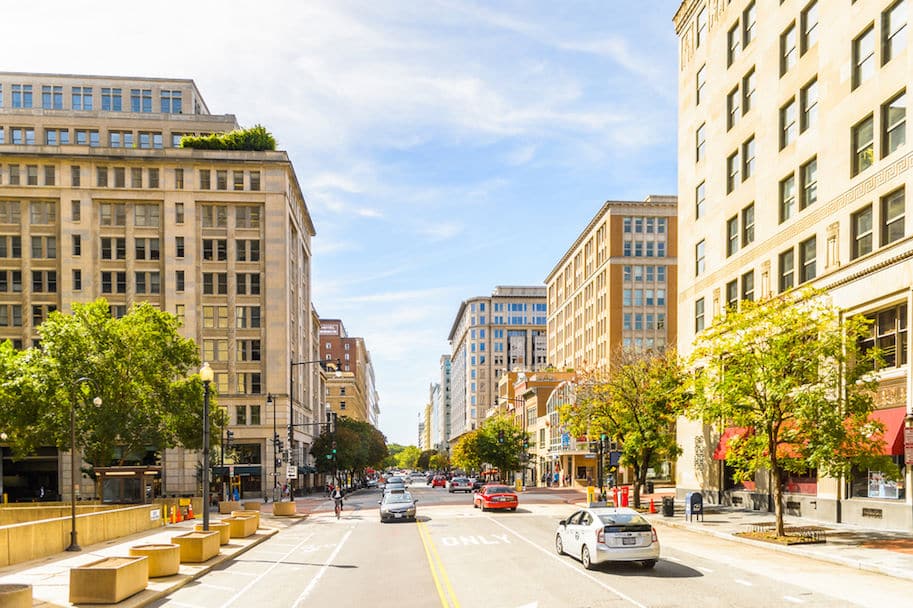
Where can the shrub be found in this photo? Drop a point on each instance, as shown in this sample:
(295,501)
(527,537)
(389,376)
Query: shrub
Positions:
(256,138)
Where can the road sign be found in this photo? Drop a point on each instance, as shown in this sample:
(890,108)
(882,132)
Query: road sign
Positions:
(291,472)
(908,445)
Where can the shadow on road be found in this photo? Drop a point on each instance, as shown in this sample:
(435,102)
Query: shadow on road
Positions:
(664,569)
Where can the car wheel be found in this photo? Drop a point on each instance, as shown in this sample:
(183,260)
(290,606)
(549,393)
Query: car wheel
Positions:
(559,545)
(585,558)
(649,563)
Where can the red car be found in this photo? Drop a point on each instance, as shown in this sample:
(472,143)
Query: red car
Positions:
(495,497)
(438,481)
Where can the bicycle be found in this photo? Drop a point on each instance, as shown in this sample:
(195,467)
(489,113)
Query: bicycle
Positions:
(338,508)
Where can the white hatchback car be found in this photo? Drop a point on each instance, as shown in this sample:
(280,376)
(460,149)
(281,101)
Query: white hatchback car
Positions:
(604,534)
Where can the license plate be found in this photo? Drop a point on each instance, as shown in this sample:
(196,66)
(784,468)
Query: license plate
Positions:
(628,541)
(398,515)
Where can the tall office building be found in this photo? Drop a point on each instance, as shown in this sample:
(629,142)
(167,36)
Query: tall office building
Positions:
(97,199)
(352,392)
(793,169)
(445,403)
(492,334)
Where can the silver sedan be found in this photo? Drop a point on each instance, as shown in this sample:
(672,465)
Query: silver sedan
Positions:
(397,505)
(603,534)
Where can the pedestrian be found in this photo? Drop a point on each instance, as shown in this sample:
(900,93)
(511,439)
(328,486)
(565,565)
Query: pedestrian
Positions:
(567,480)
(589,480)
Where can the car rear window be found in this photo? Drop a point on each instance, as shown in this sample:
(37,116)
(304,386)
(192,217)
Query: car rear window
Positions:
(623,519)
(499,490)
(460,480)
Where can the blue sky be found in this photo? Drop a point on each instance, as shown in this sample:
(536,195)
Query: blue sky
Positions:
(444,147)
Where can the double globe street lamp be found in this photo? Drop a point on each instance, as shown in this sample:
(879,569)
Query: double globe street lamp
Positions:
(74,471)
(206,375)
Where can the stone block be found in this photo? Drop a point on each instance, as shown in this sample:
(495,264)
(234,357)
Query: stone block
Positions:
(108,580)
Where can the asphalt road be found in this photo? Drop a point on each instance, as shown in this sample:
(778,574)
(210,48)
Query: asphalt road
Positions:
(456,556)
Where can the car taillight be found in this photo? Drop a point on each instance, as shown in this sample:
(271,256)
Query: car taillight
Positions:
(654,535)
(600,536)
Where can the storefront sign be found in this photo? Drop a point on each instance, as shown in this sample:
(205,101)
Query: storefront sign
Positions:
(908,446)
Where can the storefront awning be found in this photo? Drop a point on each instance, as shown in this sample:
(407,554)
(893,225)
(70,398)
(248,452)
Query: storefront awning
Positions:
(892,419)
(239,469)
(722,446)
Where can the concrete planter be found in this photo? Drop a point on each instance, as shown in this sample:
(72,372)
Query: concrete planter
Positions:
(15,596)
(197,546)
(251,505)
(221,527)
(109,580)
(241,526)
(248,513)
(227,506)
(164,559)
(284,508)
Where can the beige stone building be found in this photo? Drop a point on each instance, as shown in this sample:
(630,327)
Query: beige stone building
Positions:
(97,199)
(793,169)
(613,288)
(352,393)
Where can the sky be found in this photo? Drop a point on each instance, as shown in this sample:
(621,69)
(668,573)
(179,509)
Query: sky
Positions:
(444,147)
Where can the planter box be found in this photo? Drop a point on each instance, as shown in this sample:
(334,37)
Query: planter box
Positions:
(284,508)
(197,546)
(164,559)
(109,580)
(227,506)
(221,527)
(241,526)
(251,505)
(248,513)
(15,596)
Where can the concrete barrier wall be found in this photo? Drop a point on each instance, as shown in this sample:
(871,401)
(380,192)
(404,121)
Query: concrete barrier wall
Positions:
(21,514)
(25,541)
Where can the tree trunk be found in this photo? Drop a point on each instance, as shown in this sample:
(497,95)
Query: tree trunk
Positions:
(778,496)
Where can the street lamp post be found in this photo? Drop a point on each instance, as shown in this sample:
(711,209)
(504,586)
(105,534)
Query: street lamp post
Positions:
(3,437)
(206,375)
(74,468)
(291,399)
(271,403)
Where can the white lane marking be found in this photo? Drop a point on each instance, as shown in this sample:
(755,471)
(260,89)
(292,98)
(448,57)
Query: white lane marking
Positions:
(323,569)
(216,587)
(743,582)
(792,599)
(703,569)
(235,597)
(568,564)
(673,559)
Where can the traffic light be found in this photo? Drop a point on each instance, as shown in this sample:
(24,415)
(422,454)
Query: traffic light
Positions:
(334,448)
(500,436)
(526,442)
(229,435)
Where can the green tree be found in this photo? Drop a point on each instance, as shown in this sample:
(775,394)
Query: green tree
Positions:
(393,449)
(407,458)
(439,462)
(790,372)
(635,403)
(502,444)
(424,460)
(139,365)
(467,452)
(358,445)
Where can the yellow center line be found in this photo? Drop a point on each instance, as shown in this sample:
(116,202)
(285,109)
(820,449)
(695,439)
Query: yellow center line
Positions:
(434,562)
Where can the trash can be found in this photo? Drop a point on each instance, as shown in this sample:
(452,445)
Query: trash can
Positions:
(648,487)
(668,506)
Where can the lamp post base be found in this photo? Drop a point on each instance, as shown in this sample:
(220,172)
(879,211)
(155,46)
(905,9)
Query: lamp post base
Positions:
(74,546)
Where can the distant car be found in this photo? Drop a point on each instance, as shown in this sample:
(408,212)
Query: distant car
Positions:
(415,478)
(371,483)
(438,481)
(495,496)
(477,483)
(603,534)
(459,484)
(397,505)
(394,485)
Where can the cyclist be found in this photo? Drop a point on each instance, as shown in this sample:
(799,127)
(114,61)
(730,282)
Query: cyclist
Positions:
(337,499)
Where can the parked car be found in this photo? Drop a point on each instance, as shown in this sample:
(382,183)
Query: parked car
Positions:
(477,483)
(459,484)
(397,505)
(602,534)
(438,481)
(495,496)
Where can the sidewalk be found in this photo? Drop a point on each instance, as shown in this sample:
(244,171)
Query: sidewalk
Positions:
(882,551)
(50,576)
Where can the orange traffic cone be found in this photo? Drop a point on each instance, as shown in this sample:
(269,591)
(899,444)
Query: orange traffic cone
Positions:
(190,511)
(652,506)
(178,517)
(173,517)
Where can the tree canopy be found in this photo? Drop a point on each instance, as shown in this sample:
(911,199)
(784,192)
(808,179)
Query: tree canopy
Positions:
(408,457)
(255,138)
(466,453)
(359,446)
(789,373)
(139,365)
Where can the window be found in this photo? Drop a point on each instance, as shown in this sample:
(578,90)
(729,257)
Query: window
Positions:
(205,179)
(809,22)
(179,213)
(732,294)
(247,317)
(215,216)
(111,100)
(863,145)
(733,42)
(788,127)
(787,270)
(221,180)
(700,81)
(748,158)
(255,180)
(179,246)
(748,87)
(171,102)
(888,331)
(893,31)
(82,98)
(789,54)
(732,235)
(701,28)
(749,22)
(101,177)
(119,177)
(147,282)
(248,350)
(237,178)
(808,173)
(700,195)
(247,250)
(862,232)
(215,250)
(179,179)
(807,257)
(179,280)
(113,248)
(152,176)
(247,216)
(732,171)
(241,415)
(215,317)
(787,197)
(699,315)
(146,215)
(215,283)
(22,95)
(732,108)
(748,225)
(77,279)
(894,124)
(141,100)
(146,249)
(31,175)
(699,141)
(699,258)
(748,285)
(77,244)
(14,175)
(808,98)
(42,212)
(892,217)
(10,213)
(864,56)
(75,176)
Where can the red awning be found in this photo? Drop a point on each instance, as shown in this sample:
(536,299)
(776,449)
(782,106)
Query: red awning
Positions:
(722,447)
(892,419)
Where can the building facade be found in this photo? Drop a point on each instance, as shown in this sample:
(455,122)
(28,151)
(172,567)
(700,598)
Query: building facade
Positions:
(445,403)
(94,184)
(353,393)
(490,335)
(793,168)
